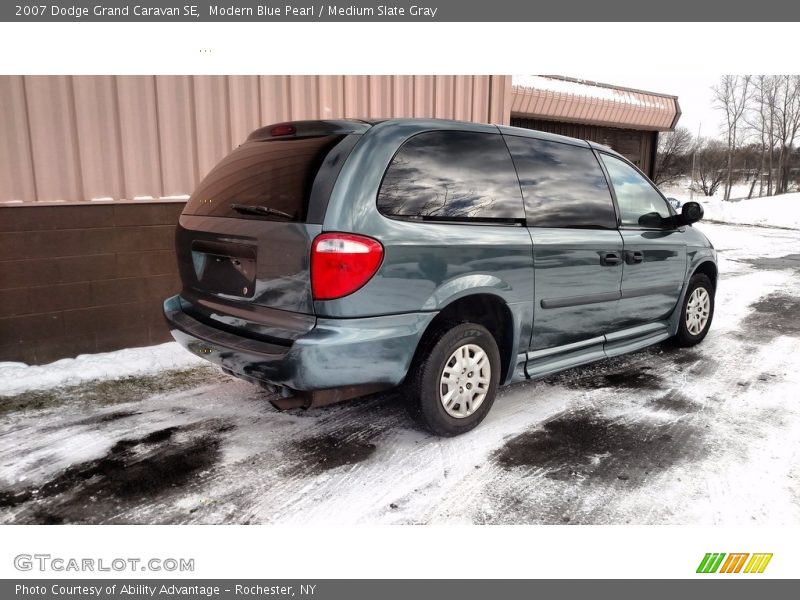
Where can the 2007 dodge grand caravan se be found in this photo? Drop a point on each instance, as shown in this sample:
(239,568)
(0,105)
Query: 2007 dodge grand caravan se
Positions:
(330,259)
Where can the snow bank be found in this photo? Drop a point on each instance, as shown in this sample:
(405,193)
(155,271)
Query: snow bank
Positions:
(16,378)
(771,211)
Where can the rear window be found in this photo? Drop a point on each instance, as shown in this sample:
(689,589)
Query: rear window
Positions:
(272,174)
(452,175)
(563,185)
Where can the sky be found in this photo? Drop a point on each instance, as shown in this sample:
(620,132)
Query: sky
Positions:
(693,92)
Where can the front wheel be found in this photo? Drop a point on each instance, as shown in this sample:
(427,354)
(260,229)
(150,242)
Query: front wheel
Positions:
(698,310)
(453,383)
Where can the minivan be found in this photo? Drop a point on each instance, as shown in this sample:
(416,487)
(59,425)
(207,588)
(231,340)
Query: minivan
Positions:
(331,259)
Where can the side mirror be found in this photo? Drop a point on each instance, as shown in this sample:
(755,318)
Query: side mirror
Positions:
(653,219)
(691,212)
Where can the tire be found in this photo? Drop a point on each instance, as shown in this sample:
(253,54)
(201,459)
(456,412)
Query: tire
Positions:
(440,401)
(691,328)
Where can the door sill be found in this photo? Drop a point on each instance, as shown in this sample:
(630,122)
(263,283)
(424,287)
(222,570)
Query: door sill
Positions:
(636,338)
(552,360)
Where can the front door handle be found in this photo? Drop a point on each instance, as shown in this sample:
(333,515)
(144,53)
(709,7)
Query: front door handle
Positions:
(610,259)
(634,257)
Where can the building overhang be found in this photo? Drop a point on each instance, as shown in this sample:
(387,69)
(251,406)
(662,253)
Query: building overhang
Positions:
(571,100)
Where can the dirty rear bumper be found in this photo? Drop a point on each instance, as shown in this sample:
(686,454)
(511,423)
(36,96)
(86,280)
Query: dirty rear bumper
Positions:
(337,359)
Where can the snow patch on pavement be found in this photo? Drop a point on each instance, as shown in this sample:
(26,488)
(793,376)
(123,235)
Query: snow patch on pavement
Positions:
(16,378)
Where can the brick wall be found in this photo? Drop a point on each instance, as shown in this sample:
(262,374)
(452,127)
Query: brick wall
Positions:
(84,278)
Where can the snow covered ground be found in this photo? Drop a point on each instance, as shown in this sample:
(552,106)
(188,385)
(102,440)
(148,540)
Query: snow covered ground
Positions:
(775,211)
(707,435)
(16,378)
(770,211)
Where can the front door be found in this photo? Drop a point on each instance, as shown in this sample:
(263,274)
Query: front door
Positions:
(654,266)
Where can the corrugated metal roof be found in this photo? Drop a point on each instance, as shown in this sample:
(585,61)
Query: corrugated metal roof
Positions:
(573,100)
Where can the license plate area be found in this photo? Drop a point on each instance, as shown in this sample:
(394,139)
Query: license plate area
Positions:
(225,268)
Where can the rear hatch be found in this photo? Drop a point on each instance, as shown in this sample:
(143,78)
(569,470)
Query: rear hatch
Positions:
(245,235)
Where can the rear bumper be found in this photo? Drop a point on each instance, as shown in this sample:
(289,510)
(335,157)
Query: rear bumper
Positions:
(369,353)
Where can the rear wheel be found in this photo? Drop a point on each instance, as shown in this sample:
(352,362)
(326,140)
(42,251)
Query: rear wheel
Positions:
(697,312)
(454,380)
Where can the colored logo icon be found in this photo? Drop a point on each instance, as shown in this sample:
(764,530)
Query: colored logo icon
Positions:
(719,562)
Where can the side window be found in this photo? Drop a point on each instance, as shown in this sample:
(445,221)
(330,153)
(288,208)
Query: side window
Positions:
(452,175)
(562,185)
(639,203)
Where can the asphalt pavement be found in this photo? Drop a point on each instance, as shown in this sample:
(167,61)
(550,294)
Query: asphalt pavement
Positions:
(707,435)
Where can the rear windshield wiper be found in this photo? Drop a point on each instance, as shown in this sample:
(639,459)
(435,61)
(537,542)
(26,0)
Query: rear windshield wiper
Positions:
(256,209)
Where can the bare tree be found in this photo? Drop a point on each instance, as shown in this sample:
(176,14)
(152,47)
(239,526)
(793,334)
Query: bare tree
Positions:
(732,95)
(672,146)
(787,118)
(771,93)
(761,120)
(711,158)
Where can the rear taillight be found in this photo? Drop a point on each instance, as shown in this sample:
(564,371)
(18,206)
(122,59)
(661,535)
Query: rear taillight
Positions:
(341,263)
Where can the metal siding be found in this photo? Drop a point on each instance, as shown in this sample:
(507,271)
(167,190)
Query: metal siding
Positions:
(480,98)
(275,98)
(54,138)
(463,100)
(403,96)
(424,95)
(244,102)
(139,137)
(16,163)
(331,97)
(211,121)
(356,96)
(99,143)
(380,96)
(444,93)
(500,99)
(176,125)
(304,98)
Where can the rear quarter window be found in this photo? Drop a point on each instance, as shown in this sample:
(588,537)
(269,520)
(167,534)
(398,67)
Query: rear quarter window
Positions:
(452,175)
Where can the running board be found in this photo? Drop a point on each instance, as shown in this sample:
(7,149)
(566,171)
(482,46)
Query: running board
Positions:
(635,338)
(551,360)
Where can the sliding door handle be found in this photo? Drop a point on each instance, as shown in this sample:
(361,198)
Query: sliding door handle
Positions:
(610,259)
(634,257)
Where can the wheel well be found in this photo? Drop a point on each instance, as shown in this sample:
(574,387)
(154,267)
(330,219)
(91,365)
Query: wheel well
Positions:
(483,309)
(709,269)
